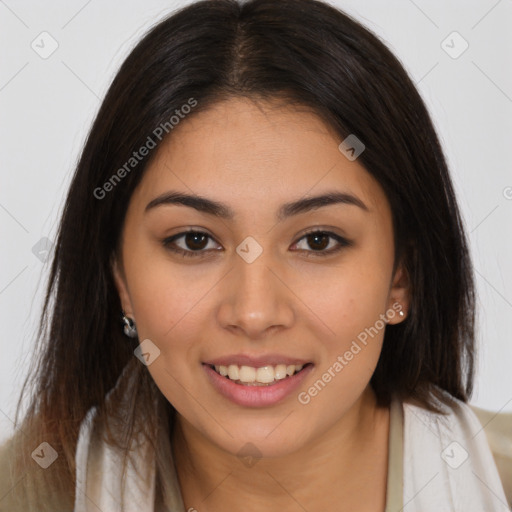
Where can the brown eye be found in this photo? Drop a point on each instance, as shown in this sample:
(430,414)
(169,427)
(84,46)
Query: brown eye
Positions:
(317,242)
(196,241)
(193,243)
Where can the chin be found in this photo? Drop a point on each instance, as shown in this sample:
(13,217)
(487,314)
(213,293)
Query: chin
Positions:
(263,440)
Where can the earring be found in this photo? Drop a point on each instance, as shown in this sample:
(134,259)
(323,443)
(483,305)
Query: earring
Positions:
(401,313)
(129,327)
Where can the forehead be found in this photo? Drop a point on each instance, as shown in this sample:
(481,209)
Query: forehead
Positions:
(255,157)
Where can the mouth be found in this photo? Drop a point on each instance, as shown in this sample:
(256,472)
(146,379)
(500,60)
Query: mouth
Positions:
(258,376)
(261,386)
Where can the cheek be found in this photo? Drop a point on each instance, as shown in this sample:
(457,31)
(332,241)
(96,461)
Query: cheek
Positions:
(350,296)
(165,297)
(169,304)
(351,305)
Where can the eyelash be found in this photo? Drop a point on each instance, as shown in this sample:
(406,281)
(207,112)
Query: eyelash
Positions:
(343,242)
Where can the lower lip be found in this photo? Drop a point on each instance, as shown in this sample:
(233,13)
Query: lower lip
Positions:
(256,396)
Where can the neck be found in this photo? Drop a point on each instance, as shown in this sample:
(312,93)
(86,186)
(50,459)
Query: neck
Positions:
(335,468)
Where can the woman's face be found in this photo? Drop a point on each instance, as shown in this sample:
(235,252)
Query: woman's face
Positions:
(254,283)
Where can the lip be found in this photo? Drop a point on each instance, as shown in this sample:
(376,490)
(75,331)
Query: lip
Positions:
(256,396)
(256,361)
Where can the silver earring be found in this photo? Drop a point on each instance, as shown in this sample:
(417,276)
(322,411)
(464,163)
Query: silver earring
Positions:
(401,313)
(129,327)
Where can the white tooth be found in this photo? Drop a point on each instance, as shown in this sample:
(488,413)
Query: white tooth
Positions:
(233,372)
(265,374)
(280,371)
(247,374)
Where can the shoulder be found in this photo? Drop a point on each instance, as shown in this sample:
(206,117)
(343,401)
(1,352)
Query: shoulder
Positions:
(10,499)
(453,446)
(498,430)
(27,489)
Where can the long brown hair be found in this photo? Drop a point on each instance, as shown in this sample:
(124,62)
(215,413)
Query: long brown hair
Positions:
(303,52)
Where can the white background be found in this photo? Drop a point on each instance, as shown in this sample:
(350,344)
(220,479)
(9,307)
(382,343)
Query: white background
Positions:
(47,106)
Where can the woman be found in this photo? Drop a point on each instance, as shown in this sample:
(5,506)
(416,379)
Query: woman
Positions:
(261,296)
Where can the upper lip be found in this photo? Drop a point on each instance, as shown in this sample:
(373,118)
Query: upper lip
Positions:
(255,361)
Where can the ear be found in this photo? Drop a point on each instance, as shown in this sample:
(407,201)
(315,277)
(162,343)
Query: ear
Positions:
(122,288)
(399,296)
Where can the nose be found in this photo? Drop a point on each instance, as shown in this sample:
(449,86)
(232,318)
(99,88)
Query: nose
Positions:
(256,299)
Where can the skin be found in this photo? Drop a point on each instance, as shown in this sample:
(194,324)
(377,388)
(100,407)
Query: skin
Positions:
(332,453)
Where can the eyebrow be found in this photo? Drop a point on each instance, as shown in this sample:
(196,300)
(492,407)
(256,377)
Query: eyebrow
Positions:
(223,211)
